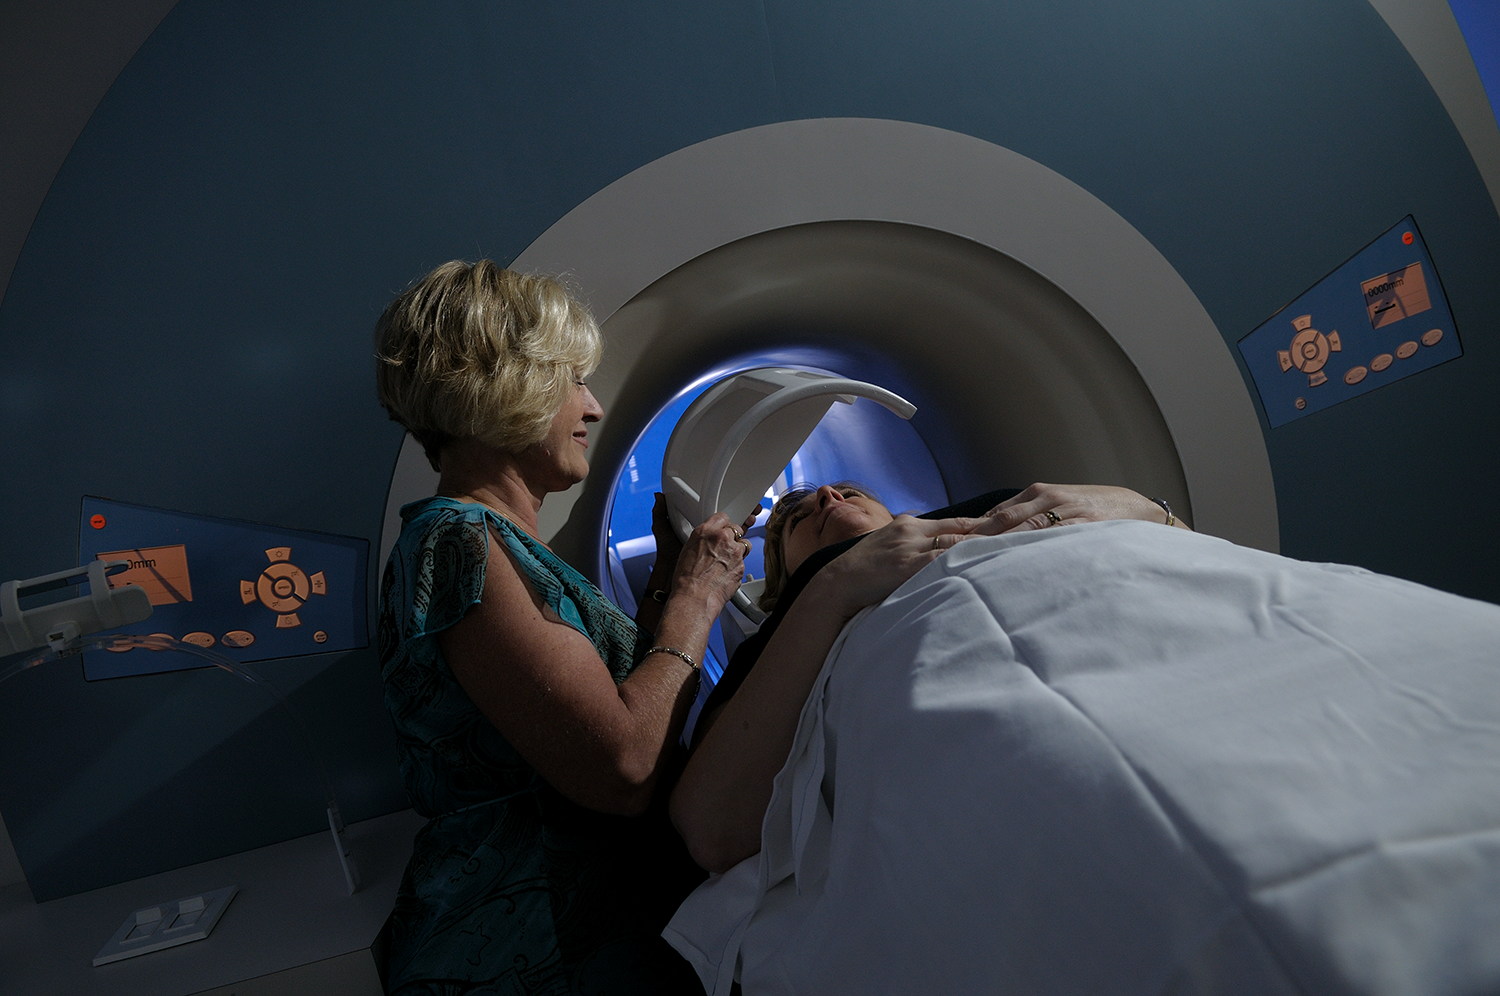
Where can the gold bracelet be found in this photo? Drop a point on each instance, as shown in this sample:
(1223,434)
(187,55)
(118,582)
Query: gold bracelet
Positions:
(674,652)
(1171,519)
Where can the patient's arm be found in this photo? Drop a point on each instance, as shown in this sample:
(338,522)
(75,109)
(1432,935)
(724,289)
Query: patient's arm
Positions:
(720,800)
(1071,503)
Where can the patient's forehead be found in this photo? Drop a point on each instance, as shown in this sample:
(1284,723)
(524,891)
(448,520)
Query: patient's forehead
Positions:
(795,497)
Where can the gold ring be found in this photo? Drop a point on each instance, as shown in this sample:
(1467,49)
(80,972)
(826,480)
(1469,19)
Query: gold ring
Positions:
(736,531)
(1052,517)
(934,542)
(747,546)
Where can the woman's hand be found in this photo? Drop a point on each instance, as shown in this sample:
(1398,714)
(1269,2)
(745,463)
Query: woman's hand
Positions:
(711,563)
(1068,503)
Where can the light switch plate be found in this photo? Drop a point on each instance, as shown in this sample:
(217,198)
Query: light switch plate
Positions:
(166,925)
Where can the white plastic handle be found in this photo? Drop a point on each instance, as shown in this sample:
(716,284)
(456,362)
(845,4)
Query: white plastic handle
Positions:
(713,484)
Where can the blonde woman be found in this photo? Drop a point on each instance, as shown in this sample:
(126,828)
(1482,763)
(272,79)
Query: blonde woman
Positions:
(535,721)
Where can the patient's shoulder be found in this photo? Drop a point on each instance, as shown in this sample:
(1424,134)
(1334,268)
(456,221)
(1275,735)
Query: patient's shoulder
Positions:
(974,507)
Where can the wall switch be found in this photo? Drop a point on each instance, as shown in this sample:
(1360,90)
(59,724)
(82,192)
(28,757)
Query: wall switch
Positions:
(166,925)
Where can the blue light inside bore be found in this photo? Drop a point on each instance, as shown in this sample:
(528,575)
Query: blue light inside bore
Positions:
(862,442)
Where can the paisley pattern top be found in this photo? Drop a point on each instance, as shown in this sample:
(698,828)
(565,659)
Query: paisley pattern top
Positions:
(511,887)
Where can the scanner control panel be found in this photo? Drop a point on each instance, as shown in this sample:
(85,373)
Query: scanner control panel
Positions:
(1378,318)
(250,591)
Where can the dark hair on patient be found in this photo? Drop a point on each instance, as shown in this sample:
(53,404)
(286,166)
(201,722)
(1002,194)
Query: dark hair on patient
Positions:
(774,552)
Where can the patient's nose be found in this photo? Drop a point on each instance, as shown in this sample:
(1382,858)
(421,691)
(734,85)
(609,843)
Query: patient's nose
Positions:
(828,494)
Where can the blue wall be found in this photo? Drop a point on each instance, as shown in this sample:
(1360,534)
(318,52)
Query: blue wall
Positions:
(188,325)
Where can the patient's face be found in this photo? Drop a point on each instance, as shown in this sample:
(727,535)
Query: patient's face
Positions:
(829,515)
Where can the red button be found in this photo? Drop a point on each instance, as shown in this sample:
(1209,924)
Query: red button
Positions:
(97,521)
(1406,238)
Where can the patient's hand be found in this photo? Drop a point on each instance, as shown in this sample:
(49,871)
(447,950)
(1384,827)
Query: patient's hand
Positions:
(884,559)
(1069,503)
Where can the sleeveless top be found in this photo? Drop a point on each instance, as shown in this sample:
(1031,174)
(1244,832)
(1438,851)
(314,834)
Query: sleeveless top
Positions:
(511,887)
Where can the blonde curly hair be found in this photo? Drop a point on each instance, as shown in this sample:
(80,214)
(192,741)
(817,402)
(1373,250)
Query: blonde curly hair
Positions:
(478,351)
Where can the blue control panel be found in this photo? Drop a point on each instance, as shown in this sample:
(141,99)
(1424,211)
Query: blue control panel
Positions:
(1378,318)
(248,591)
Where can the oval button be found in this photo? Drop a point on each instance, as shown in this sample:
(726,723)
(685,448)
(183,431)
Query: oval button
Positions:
(1355,375)
(204,640)
(1432,337)
(1380,362)
(238,638)
(1405,349)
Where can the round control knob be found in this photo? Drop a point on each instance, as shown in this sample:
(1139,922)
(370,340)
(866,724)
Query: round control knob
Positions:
(1309,351)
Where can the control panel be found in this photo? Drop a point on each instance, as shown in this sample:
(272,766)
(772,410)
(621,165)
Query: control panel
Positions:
(1378,318)
(250,591)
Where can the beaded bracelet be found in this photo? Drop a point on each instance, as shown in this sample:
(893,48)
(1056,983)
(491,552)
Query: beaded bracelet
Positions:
(658,649)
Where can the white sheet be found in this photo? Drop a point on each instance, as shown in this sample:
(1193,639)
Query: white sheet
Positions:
(1119,758)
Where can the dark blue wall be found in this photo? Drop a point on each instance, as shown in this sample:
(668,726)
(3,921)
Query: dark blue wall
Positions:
(188,324)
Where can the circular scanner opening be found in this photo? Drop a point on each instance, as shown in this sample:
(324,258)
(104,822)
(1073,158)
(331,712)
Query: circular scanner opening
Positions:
(1014,382)
(862,442)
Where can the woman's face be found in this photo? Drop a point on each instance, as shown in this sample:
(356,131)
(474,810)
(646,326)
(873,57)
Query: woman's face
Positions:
(829,515)
(558,461)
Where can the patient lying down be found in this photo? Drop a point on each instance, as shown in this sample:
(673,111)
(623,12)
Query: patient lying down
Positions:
(1104,758)
(830,552)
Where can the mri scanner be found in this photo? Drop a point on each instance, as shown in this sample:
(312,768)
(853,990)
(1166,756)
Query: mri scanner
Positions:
(1050,233)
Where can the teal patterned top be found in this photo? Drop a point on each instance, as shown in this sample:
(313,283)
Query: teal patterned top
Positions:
(511,887)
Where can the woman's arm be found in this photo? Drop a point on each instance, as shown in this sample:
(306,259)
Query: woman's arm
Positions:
(544,687)
(721,798)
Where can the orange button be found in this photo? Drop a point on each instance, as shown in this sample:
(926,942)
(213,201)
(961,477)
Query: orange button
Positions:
(1432,337)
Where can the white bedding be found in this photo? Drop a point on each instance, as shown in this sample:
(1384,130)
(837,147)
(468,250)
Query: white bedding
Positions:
(1120,758)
